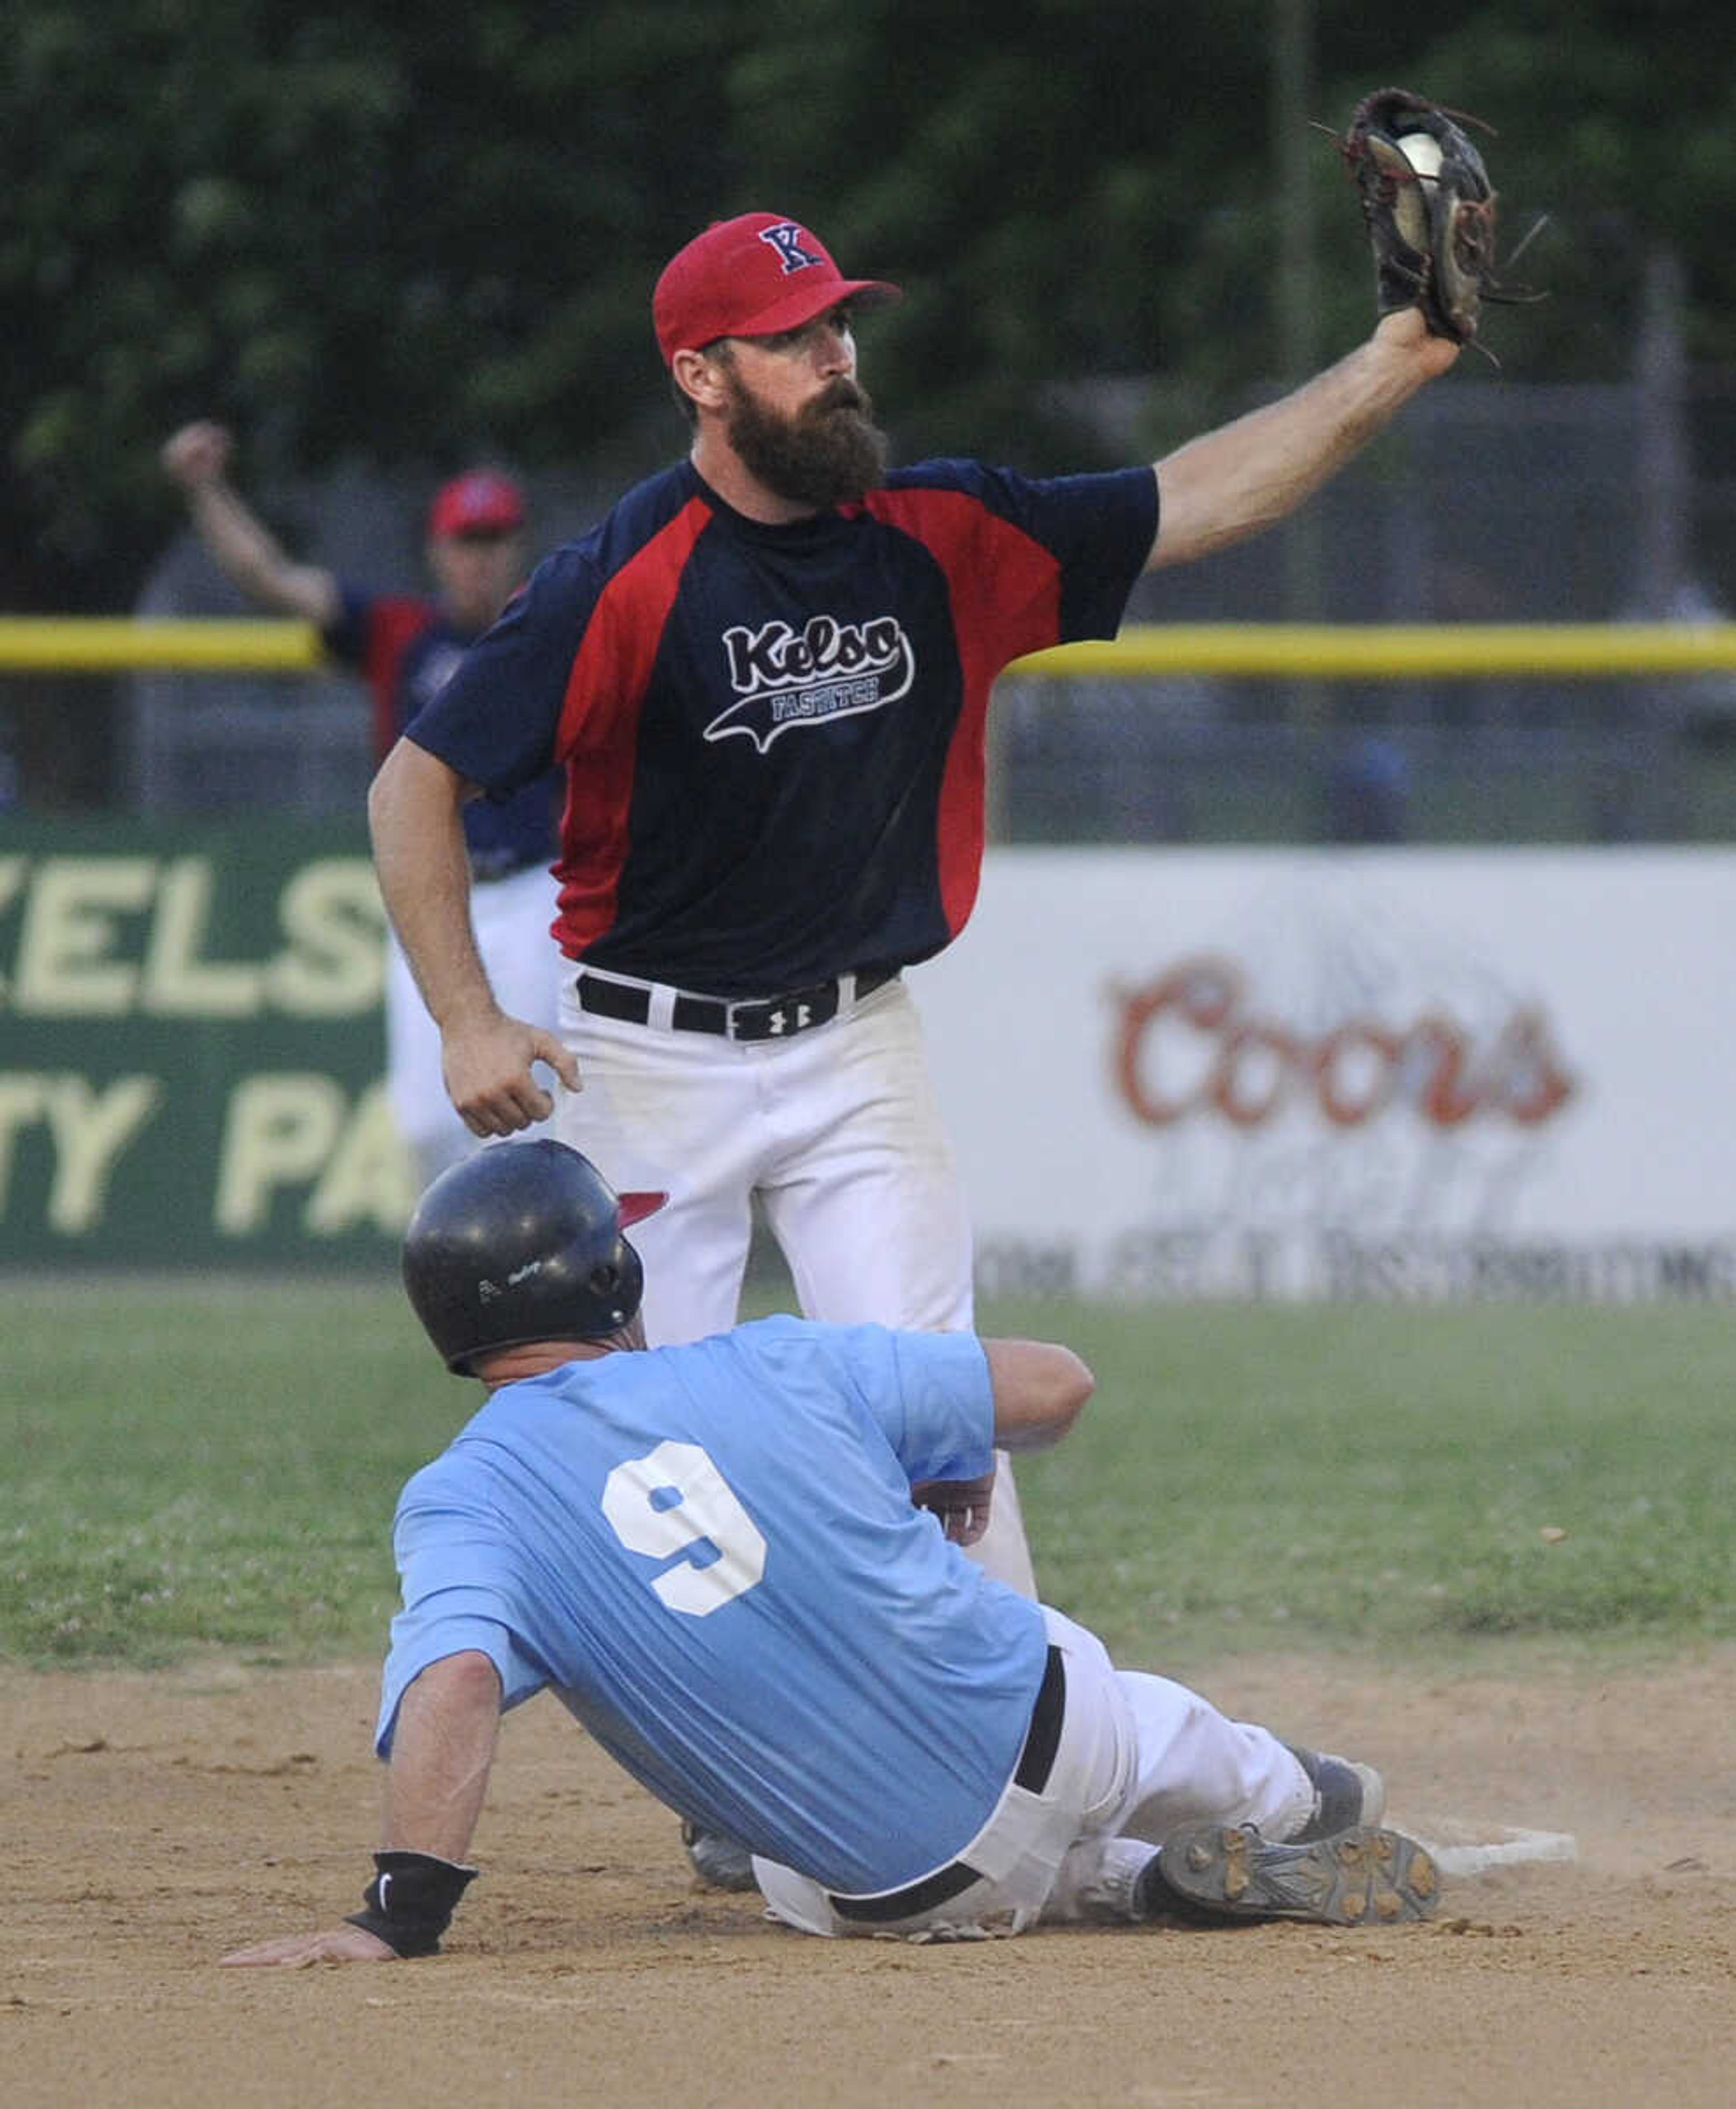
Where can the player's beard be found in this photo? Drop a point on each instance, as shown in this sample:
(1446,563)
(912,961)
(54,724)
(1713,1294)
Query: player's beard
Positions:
(831,452)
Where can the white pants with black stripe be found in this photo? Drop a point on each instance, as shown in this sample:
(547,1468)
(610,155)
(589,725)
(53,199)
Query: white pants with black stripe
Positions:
(1139,1757)
(837,1129)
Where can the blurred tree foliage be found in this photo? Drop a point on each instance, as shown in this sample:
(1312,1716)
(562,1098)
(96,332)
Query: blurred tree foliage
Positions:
(406,236)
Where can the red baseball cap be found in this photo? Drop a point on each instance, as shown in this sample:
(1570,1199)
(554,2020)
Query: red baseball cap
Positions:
(752,275)
(478,503)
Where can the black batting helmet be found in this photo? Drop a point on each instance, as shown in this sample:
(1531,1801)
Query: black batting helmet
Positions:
(522,1242)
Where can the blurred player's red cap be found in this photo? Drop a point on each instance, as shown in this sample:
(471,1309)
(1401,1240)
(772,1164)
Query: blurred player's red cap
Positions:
(752,277)
(478,503)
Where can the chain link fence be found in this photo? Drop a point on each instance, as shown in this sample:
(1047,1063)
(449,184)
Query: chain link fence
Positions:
(1496,504)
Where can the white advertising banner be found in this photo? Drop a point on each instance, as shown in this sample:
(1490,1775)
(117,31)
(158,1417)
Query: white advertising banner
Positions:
(1406,1073)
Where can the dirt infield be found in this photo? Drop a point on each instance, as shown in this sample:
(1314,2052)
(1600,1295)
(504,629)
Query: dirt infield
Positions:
(152,1822)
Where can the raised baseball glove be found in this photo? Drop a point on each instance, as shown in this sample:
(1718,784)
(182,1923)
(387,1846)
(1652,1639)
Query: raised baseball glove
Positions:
(1429,207)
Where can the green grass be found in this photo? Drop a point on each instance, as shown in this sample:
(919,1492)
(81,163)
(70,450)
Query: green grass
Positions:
(192,1467)
(1374,1477)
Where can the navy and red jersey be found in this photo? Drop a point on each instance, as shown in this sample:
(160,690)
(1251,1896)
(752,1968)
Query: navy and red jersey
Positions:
(773,736)
(405,648)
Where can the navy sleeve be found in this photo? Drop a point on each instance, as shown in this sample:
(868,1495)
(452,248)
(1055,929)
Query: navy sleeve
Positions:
(346,638)
(496,720)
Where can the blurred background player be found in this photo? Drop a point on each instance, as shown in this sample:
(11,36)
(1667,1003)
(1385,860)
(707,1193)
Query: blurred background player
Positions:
(406,646)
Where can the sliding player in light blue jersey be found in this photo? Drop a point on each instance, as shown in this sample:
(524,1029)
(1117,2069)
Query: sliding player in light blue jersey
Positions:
(737,1562)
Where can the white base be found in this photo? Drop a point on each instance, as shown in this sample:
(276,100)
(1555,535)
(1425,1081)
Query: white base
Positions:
(1461,1845)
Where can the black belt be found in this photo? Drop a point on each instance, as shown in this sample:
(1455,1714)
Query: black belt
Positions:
(770,1017)
(1036,1761)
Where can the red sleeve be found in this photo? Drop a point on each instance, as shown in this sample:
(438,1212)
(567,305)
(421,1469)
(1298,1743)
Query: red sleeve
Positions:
(390,624)
(1004,590)
(598,732)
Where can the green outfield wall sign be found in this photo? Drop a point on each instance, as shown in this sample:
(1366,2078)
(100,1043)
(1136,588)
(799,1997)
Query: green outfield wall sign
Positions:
(191,1046)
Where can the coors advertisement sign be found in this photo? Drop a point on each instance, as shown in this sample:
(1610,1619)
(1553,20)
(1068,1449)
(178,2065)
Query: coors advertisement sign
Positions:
(1394,1074)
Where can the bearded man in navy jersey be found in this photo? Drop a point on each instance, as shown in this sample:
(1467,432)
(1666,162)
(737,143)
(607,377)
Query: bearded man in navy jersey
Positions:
(766,673)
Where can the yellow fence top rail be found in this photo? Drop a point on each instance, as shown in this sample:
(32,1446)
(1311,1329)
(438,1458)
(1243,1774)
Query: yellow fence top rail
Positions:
(1394,651)
(1372,652)
(108,644)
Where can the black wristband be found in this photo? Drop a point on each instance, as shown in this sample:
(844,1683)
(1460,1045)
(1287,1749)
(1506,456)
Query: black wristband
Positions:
(411,1900)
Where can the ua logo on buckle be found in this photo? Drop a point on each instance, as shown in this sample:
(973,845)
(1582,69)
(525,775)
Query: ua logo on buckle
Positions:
(778,1019)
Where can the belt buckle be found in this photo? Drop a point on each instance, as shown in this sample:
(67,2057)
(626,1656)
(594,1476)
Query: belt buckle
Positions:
(777,1018)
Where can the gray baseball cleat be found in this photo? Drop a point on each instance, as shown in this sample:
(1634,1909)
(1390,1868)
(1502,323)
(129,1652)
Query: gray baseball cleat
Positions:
(1345,1795)
(1361,1877)
(718,1861)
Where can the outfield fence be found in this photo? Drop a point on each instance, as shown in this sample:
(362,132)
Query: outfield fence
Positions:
(1259,1066)
(1171,733)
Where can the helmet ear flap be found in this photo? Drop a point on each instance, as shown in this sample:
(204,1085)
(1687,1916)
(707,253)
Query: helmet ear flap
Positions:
(614,1288)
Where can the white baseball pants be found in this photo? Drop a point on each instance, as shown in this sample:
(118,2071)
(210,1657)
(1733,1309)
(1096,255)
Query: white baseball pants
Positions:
(1140,1757)
(838,1132)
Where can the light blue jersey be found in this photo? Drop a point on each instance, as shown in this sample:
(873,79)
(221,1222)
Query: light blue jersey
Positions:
(710,1553)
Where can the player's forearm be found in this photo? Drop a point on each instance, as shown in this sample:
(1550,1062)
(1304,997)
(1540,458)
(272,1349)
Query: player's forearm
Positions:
(246,552)
(1230,484)
(443,1747)
(1040,1390)
(414,817)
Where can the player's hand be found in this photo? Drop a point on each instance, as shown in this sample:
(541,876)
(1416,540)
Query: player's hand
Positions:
(197,454)
(1405,332)
(489,1077)
(296,1951)
(961,1505)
